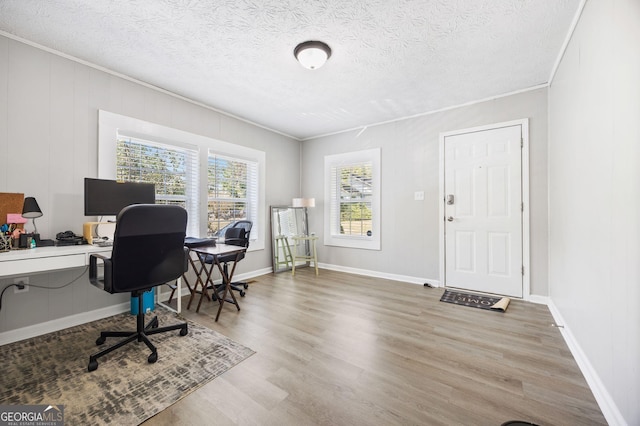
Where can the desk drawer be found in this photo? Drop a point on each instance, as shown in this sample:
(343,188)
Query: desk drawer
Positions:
(42,264)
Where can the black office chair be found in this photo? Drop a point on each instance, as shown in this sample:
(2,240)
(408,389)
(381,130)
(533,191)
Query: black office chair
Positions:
(237,238)
(237,235)
(148,250)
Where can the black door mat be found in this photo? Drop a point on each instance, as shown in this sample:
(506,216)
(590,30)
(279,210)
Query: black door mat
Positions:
(499,304)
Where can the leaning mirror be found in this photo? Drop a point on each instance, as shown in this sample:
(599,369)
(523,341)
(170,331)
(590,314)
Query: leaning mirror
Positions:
(286,222)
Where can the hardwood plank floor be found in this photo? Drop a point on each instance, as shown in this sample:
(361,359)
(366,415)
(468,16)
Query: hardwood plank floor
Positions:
(342,349)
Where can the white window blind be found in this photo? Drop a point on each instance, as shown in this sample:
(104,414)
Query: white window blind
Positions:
(172,169)
(232,187)
(352,214)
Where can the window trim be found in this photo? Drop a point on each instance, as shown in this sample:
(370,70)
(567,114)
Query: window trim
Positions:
(333,238)
(110,124)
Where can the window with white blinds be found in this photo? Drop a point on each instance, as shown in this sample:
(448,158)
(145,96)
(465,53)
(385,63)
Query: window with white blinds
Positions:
(352,188)
(232,188)
(217,182)
(172,169)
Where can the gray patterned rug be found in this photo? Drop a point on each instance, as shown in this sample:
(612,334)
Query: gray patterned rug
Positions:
(125,389)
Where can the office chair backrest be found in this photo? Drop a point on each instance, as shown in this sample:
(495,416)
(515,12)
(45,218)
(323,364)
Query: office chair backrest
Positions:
(246,225)
(236,237)
(148,246)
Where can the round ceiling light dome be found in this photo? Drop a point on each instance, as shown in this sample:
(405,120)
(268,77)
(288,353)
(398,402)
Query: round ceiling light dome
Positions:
(312,54)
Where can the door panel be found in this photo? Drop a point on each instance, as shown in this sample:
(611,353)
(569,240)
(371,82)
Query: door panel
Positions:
(465,252)
(483,230)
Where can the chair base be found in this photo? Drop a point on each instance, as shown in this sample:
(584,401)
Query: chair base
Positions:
(139,335)
(240,287)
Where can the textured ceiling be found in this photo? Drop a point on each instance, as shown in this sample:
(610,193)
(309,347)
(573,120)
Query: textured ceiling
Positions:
(391,58)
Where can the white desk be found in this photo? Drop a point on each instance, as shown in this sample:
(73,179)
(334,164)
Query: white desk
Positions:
(46,259)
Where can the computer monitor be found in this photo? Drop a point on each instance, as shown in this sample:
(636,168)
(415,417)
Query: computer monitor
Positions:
(103,197)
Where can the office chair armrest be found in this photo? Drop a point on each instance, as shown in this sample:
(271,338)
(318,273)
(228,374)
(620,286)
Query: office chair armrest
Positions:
(93,271)
(186,260)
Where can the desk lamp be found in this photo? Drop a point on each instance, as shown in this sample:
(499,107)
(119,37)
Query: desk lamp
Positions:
(31,210)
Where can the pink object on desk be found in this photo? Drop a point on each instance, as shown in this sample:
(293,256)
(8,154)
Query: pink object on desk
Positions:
(15,218)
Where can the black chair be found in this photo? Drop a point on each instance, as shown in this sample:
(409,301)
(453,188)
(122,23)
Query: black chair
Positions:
(148,250)
(238,235)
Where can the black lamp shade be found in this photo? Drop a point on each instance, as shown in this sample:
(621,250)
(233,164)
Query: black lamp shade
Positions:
(31,209)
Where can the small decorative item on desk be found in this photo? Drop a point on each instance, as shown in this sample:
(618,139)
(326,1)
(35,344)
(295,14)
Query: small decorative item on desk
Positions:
(5,240)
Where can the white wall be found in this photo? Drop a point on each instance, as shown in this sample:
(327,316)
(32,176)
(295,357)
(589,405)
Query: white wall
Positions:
(410,157)
(48,142)
(594,200)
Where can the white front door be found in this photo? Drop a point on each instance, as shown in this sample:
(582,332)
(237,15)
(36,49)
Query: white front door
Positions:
(483,211)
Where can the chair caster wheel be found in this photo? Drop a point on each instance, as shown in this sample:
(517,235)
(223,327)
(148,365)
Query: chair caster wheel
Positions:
(100,340)
(242,293)
(93,365)
(184,331)
(153,357)
(246,286)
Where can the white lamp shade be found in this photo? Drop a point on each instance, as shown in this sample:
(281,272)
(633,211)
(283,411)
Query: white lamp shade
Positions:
(303,202)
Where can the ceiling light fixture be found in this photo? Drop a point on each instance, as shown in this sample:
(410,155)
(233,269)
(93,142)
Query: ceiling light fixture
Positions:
(312,54)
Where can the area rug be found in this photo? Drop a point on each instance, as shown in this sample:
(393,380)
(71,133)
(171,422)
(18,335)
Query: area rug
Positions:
(125,389)
(498,304)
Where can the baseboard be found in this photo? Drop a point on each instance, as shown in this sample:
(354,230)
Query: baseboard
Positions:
(603,398)
(61,323)
(252,274)
(377,274)
(534,298)
(236,277)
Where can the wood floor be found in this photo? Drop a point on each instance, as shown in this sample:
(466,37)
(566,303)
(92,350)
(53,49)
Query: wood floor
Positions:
(341,349)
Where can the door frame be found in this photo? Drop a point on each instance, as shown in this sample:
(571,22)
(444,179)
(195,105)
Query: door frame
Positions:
(524,123)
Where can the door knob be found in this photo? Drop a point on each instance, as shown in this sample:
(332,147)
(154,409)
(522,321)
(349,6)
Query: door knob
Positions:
(450,218)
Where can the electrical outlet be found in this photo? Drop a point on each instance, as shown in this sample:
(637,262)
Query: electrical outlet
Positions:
(24,281)
(418,195)
(23,290)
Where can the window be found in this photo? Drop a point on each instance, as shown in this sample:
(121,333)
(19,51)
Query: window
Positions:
(172,169)
(232,192)
(352,188)
(215,181)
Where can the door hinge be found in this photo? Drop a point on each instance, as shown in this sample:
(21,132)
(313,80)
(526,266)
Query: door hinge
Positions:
(521,143)
(523,270)
(522,207)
